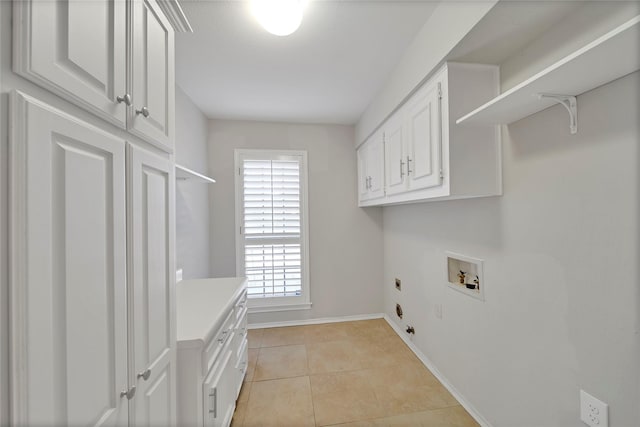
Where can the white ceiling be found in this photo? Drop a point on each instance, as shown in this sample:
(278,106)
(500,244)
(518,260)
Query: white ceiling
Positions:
(326,72)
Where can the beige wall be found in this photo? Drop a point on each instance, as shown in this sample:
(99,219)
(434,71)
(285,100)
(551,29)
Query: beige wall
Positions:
(192,199)
(345,241)
(561,251)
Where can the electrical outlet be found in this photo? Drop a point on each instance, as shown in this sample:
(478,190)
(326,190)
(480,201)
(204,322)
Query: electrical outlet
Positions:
(438,311)
(399,310)
(593,412)
(398,284)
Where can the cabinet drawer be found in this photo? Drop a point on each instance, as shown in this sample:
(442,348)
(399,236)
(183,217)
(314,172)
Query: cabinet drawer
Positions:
(241,322)
(218,389)
(214,348)
(241,305)
(242,362)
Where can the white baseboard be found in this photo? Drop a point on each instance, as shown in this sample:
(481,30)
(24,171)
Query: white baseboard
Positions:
(315,321)
(445,382)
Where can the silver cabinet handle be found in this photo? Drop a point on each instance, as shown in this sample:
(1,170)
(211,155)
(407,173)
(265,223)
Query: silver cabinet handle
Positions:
(145,374)
(370,183)
(214,393)
(126,99)
(401,169)
(144,111)
(224,337)
(128,393)
(409,166)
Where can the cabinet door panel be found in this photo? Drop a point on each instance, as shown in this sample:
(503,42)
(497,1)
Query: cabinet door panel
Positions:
(69,286)
(375,167)
(157,401)
(363,188)
(152,290)
(394,154)
(76,49)
(153,84)
(424,139)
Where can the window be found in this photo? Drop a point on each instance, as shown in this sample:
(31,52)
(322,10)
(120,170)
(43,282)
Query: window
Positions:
(272,223)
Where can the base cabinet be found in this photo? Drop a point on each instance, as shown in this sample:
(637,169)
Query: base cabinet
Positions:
(92,335)
(212,349)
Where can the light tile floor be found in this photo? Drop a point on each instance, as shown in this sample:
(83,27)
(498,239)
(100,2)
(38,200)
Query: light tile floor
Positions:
(355,374)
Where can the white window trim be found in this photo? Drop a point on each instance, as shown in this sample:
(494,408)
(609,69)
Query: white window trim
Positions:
(264,305)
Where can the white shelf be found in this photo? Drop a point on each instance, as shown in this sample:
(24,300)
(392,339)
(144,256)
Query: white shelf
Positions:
(185,174)
(609,57)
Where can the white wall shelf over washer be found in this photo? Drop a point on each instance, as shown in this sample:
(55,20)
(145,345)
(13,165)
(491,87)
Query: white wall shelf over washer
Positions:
(607,58)
(186,174)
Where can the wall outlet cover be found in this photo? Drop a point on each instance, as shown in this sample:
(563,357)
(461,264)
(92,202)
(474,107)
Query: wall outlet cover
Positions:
(593,412)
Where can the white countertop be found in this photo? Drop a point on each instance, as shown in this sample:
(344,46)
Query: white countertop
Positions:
(201,307)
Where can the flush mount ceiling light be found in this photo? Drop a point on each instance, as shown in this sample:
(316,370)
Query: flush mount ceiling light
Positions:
(279,17)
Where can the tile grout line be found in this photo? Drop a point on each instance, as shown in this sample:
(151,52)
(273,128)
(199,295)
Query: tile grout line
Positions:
(353,340)
(313,406)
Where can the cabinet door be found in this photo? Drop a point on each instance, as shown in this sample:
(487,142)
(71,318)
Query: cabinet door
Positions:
(424,142)
(363,178)
(375,166)
(219,392)
(152,288)
(395,154)
(76,49)
(68,284)
(153,84)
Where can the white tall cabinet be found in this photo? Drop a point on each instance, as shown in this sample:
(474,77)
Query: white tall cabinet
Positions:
(114,58)
(68,271)
(152,314)
(92,214)
(78,293)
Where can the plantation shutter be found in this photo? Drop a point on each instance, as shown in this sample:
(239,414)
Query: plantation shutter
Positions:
(272,227)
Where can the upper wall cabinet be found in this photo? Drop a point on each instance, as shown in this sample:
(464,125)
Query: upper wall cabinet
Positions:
(79,50)
(427,156)
(413,143)
(371,169)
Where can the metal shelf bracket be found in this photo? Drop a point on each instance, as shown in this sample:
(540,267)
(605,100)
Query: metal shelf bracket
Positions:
(570,103)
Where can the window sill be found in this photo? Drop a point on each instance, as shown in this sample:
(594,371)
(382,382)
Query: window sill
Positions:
(281,307)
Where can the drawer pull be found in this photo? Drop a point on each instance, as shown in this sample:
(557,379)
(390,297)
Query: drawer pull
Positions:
(213,393)
(224,337)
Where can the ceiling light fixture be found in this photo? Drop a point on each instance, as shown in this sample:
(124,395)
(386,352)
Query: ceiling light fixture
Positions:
(279,17)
